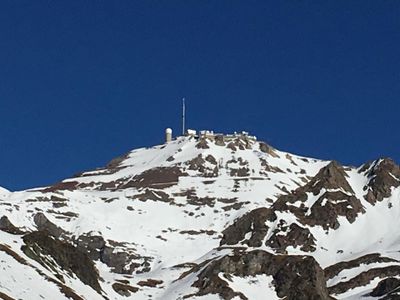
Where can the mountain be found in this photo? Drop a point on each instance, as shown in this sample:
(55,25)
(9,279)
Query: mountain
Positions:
(4,192)
(206,217)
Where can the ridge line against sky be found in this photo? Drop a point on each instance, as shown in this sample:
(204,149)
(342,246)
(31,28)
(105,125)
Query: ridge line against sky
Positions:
(82,82)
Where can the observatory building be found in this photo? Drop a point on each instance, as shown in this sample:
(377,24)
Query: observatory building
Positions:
(209,134)
(168,135)
(206,134)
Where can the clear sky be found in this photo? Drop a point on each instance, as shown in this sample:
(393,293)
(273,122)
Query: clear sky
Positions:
(84,81)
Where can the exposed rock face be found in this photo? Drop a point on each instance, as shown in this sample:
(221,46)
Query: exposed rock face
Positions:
(292,235)
(154,195)
(268,168)
(364,278)
(69,258)
(109,253)
(7,226)
(384,175)
(61,186)
(5,296)
(124,289)
(330,205)
(219,140)
(335,198)
(91,244)
(202,144)
(124,262)
(252,222)
(331,177)
(197,163)
(335,269)
(267,149)
(295,277)
(67,291)
(43,224)
(386,287)
(200,164)
(115,164)
(150,282)
(161,177)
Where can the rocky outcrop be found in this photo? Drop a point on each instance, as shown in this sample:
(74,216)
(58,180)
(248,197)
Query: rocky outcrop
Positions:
(115,164)
(240,143)
(267,168)
(364,278)
(7,226)
(386,287)
(124,289)
(267,149)
(156,178)
(121,258)
(61,186)
(330,177)
(292,235)
(294,277)
(5,296)
(219,140)
(39,245)
(253,223)
(335,269)
(207,167)
(124,262)
(335,198)
(67,291)
(160,178)
(330,205)
(154,195)
(202,144)
(384,175)
(91,244)
(44,224)
(251,230)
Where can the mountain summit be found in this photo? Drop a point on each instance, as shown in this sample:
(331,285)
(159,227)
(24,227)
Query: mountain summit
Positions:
(207,216)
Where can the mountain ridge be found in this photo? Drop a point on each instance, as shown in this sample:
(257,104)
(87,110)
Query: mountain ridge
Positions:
(206,217)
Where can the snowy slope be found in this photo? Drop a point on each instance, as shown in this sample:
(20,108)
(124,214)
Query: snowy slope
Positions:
(4,193)
(154,222)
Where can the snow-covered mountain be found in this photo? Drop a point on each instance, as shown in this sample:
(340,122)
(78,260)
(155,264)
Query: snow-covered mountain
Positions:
(4,193)
(209,217)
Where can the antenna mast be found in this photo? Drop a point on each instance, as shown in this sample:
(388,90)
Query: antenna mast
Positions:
(183,116)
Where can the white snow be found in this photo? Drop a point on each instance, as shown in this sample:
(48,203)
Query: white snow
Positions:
(257,287)
(4,193)
(160,229)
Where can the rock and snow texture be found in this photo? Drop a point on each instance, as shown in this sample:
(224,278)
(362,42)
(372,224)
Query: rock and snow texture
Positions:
(216,217)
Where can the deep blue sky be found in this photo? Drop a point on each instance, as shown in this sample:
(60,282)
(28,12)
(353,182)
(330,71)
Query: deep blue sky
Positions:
(84,81)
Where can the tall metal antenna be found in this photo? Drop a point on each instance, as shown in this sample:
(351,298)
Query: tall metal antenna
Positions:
(183,116)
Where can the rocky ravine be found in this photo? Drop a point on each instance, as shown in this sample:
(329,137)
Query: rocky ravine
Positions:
(216,217)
